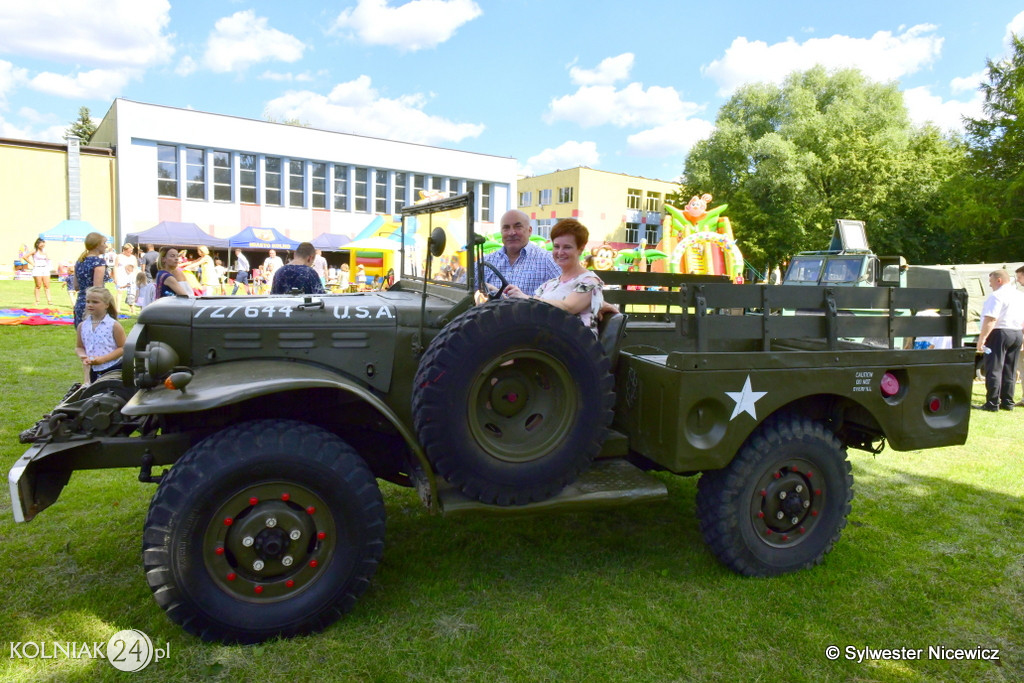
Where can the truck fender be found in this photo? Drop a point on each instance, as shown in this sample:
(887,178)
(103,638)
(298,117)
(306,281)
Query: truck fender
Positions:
(223,384)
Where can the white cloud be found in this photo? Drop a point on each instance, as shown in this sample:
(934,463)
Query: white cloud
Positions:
(50,132)
(882,57)
(569,154)
(356,107)
(416,25)
(596,105)
(304,77)
(243,39)
(107,33)
(924,107)
(967,83)
(101,84)
(186,67)
(1016,25)
(610,70)
(10,78)
(672,139)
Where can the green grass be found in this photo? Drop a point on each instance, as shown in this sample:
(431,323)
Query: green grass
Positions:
(933,556)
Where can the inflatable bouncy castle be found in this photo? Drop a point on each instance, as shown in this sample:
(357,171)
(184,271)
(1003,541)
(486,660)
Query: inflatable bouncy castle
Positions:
(700,241)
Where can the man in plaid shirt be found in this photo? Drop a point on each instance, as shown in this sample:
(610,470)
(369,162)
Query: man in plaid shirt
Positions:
(523,264)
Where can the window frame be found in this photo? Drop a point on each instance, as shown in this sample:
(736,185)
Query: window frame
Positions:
(195,189)
(317,185)
(272,181)
(161,164)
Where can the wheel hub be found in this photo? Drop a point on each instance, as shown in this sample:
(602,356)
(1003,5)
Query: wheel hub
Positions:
(786,503)
(521,405)
(269,541)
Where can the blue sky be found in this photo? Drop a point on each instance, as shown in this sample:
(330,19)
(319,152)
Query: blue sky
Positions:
(621,86)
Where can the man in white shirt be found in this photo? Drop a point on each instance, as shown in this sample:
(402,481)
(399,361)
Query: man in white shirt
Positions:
(271,264)
(1002,331)
(320,266)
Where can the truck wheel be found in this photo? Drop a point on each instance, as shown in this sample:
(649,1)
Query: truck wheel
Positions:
(781,503)
(267,528)
(512,401)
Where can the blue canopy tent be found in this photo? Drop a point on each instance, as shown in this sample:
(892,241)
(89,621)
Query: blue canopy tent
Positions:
(329,242)
(261,238)
(69,231)
(173,234)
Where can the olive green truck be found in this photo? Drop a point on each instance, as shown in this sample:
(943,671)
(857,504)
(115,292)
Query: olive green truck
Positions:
(279,414)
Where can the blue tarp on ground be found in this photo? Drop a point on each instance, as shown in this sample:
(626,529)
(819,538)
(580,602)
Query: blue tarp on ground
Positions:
(261,238)
(329,242)
(69,231)
(173,234)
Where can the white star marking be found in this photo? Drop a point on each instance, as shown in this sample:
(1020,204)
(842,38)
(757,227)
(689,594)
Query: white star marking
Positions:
(745,400)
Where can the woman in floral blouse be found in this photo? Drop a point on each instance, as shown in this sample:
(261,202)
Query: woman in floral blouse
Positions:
(577,290)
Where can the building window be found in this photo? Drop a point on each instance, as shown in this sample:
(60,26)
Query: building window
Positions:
(544,226)
(565,195)
(400,188)
(633,232)
(272,181)
(222,176)
(653,233)
(418,185)
(633,200)
(453,187)
(296,183)
(485,201)
(318,191)
(167,170)
(247,178)
(360,190)
(544,197)
(653,201)
(437,183)
(380,192)
(525,198)
(195,173)
(340,187)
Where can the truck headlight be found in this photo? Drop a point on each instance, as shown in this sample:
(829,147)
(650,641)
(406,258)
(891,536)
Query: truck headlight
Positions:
(158,360)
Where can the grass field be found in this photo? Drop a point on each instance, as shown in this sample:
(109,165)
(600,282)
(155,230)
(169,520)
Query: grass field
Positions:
(933,557)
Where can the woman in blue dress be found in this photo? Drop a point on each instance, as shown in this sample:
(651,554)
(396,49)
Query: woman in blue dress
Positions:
(90,271)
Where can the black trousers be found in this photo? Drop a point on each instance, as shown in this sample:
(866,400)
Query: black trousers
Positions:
(1001,366)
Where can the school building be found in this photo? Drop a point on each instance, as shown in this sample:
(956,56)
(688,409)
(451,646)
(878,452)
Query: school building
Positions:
(150,163)
(617,208)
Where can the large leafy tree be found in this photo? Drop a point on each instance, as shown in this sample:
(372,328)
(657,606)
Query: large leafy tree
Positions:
(791,159)
(986,213)
(83,127)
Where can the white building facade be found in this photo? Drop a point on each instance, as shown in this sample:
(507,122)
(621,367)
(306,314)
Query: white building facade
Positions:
(225,174)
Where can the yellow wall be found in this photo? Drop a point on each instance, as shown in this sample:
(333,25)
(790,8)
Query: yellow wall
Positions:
(34,197)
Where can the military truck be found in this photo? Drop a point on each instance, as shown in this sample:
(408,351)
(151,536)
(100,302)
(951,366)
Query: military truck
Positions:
(279,414)
(848,261)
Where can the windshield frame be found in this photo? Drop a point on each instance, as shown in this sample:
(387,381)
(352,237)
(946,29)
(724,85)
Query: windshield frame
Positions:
(414,238)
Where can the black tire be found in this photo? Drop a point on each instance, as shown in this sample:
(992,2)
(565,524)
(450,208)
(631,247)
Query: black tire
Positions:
(791,467)
(556,393)
(271,479)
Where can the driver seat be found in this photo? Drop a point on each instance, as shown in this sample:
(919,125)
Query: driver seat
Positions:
(610,331)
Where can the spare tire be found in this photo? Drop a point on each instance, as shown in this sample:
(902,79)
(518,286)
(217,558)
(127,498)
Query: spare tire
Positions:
(512,400)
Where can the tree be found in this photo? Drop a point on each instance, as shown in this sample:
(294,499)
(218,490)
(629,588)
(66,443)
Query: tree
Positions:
(989,212)
(791,159)
(83,127)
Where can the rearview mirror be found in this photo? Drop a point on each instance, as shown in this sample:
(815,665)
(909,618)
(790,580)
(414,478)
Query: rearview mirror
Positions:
(438,239)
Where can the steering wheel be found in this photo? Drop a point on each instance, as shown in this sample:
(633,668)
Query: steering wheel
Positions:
(495,295)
